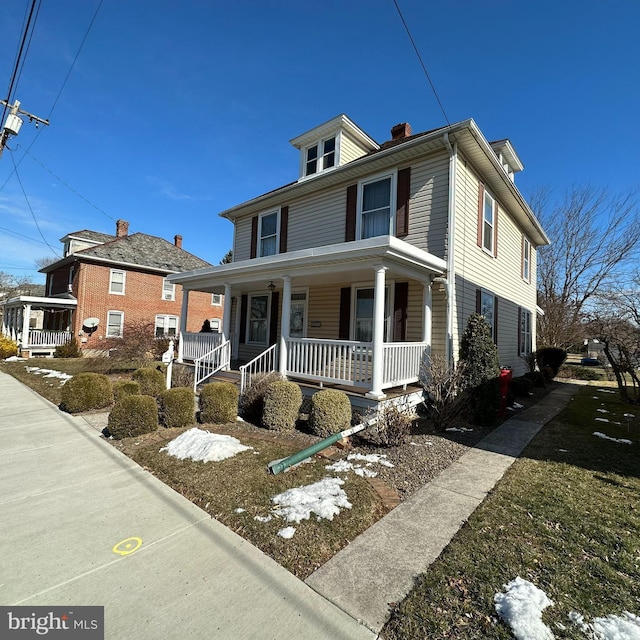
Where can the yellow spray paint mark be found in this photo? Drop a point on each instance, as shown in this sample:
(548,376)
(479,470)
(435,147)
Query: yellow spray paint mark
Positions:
(127,546)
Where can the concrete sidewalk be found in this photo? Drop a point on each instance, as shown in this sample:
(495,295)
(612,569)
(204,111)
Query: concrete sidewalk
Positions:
(70,502)
(379,566)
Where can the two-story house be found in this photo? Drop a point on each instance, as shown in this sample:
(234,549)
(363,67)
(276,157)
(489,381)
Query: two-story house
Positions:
(377,254)
(105,283)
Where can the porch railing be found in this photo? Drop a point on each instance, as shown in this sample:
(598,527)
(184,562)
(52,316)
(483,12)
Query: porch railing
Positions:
(401,362)
(211,362)
(47,338)
(196,345)
(266,362)
(336,361)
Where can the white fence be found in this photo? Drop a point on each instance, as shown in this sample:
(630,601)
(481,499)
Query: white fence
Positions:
(195,345)
(401,362)
(266,362)
(47,339)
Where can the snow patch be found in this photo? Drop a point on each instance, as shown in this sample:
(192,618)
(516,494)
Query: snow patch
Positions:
(602,420)
(239,510)
(325,498)
(611,627)
(287,533)
(460,429)
(602,410)
(605,437)
(263,518)
(202,446)
(49,373)
(606,391)
(13,359)
(370,458)
(521,607)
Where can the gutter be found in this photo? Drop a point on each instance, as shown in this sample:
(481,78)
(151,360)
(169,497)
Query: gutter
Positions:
(451,236)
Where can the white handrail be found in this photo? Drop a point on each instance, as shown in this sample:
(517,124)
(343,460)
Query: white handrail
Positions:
(47,338)
(195,345)
(211,362)
(401,362)
(266,362)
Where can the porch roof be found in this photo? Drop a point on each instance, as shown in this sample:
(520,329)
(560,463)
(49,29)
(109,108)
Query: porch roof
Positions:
(40,301)
(346,261)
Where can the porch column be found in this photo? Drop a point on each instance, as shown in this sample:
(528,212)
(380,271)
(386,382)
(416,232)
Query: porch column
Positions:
(5,321)
(26,316)
(285,323)
(427,305)
(226,313)
(377,350)
(183,322)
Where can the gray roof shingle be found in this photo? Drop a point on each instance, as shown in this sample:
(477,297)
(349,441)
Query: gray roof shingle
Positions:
(94,236)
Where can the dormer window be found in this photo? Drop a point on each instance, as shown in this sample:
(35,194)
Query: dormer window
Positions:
(321,156)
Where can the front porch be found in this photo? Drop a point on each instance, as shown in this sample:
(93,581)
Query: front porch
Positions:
(38,324)
(358,315)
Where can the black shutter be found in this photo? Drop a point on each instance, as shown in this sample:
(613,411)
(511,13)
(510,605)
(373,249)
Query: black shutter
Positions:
(519,330)
(402,204)
(284,228)
(495,319)
(352,206)
(244,302)
(254,236)
(345,313)
(273,318)
(479,301)
(400,303)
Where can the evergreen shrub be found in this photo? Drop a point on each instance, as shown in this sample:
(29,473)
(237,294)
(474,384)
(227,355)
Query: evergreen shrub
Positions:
(8,347)
(69,349)
(133,416)
(177,407)
(552,357)
(252,400)
(86,391)
(330,412)
(124,388)
(282,402)
(152,381)
(219,403)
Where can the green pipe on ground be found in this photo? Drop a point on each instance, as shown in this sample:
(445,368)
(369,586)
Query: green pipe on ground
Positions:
(278,466)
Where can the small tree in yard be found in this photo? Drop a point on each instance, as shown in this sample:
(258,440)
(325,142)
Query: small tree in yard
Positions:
(481,369)
(443,383)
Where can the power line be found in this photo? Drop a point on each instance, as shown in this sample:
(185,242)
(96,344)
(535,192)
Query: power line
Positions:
(424,68)
(33,215)
(15,233)
(96,207)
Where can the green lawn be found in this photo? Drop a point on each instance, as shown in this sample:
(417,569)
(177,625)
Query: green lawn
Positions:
(565,517)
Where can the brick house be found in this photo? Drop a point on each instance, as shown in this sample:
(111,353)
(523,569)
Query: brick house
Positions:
(105,283)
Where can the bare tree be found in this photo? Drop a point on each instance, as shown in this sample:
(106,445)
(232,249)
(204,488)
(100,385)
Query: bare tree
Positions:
(45,261)
(595,237)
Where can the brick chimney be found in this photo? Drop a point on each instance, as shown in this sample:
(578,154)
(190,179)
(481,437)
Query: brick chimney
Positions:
(177,240)
(401,131)
(122,228)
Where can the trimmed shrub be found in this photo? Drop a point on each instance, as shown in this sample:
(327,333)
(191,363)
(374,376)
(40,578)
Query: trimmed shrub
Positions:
(124,388)
(551,357)
(152,381)
(8,347)
(219,403)
(579,373)
(86,391)
(177,407)
(330,412)
(69,349)
(133,416)
(282,402)
(181,376)
(521,386)
(485,403)
(479,352)
(252,401)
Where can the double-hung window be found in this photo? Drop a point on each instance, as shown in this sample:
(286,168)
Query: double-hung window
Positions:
(166,326)
(487,309)
(525,332)
(116,281)
(168,290)
(526,260)
(488,223)
(268,234)
(115,322)
(216,299)
(363,316)
(376,207)
(258,307)
(320,156)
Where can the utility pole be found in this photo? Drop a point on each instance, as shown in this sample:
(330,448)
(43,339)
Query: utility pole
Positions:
(14,122)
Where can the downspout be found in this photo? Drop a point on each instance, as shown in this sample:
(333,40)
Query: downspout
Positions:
(451,224)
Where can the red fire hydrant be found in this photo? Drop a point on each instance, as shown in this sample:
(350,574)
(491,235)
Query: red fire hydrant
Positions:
(504,382)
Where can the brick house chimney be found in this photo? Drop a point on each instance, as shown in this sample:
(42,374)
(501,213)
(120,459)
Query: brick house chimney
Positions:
(177,240)
(122,228)
(400,131)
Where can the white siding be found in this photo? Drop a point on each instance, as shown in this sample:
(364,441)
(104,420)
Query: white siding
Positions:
(350,149)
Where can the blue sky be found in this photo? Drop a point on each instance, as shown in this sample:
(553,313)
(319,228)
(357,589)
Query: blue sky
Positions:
(175,111)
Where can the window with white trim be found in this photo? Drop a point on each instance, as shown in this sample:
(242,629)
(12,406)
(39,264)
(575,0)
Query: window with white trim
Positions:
(376,206)
(488,223)
(298,319)
(525,332)
(487,309)
(268,234)
(526,260)
(320,156)
(116,281)
(216,299)
(214,323)
(258,319)
(168,290)
(166,326)
(115,323)
(363,315)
